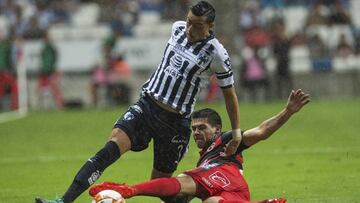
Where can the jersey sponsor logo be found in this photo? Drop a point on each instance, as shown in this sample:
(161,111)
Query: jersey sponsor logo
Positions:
(173,72)
(176,61)
(219,179)
(181,51)
(208,183)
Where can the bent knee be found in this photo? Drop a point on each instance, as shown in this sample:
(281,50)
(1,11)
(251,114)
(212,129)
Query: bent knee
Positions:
(188,185)
(121,139)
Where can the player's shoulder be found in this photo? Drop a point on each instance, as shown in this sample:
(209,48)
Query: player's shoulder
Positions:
(178,25)
(226,136)
(217,45)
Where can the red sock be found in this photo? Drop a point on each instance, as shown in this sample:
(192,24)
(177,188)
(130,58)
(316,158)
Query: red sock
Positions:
(279,200)
(158,187)
(232,201)
(236,201)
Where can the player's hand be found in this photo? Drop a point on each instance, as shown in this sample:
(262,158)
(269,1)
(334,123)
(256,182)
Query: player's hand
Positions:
(297,99)
(231,147)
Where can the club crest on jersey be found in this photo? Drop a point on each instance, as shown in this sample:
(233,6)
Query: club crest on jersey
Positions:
(129,116)
(227,62)
(203,59)
(219,179)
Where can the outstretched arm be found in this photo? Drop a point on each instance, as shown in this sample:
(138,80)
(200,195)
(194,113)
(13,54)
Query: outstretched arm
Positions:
(232,107)
(297,99)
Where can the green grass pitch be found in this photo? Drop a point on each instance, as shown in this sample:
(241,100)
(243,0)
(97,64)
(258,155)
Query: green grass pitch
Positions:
(314,158)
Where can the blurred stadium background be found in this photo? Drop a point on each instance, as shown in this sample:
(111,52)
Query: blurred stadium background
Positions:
(106,49)
(316,45)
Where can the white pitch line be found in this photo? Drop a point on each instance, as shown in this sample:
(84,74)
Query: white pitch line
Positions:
(10,116)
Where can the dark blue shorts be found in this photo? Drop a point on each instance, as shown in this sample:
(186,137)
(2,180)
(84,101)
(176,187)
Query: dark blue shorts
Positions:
(145,120)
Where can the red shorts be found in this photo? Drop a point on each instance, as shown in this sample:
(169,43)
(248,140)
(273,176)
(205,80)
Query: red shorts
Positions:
(48,80)
(6,80)
(224,180)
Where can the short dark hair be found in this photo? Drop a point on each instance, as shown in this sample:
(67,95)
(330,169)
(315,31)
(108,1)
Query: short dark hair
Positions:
(203,8)
(210,114)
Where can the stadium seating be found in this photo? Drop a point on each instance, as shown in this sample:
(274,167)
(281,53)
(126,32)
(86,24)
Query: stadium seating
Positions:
(300,59)
(87,15)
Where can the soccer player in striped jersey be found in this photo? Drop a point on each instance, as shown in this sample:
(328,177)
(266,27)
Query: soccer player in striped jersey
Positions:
(216,179)
(166,103)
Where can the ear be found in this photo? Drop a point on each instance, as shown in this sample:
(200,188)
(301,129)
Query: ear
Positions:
(211,25)
(218,129)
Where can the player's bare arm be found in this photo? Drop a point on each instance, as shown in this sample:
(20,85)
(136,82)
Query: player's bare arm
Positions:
(232,107)
(296,100)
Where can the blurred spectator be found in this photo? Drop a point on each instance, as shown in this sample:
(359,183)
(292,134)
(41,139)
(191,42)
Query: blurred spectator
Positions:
(281,49)
(8,83)
(44,14)
(273,3)
(129,16)
(112,83)
(48,81)
(32,29)
(151,5)
(298,39)
(317,47)
(256,37)
(60,12)
(318,15)
(339,15)
(120,70)
(119,76)
(100,73)
(254,78)
(17,24)
(99,81)
(357,44)
(319,54)
(174,10)
(249,15)
(120,15)
(343,48)
(110,78)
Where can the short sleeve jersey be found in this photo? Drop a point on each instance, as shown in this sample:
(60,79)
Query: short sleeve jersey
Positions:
(211,156)
(184,69)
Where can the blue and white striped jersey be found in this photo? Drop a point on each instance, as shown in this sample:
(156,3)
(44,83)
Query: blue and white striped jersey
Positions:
(182,71)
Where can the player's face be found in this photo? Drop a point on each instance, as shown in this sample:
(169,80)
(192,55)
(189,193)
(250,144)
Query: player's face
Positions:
(197,27)
(203,132)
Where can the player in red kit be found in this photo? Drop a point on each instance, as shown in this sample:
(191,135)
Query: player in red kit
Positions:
(217,178)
